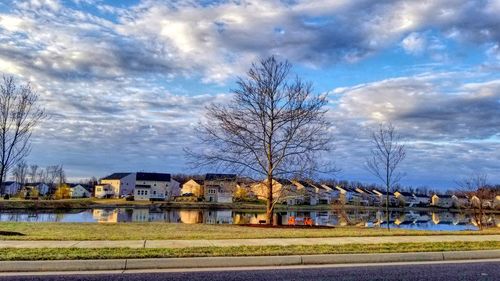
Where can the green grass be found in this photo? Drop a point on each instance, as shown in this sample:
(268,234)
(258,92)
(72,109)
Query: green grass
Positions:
(166,231)
(115,253)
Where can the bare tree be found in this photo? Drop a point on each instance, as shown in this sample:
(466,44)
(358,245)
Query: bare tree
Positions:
(33,172)
(386,155)
(19,115)
(273,127)
(475,188)
(20,173)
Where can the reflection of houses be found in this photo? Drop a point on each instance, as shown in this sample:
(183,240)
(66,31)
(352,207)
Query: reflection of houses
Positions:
(110,215)
(11,187)
(442,218)
(118,185)
(219,187)
(191,216)
(284,191)
(155,186)
(193,187)
(443,201)
(79,191)
(218,217)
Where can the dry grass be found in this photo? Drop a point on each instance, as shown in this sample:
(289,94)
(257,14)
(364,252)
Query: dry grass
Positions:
(166,231)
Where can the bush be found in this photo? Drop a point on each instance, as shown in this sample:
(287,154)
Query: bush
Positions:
(129,198)
(6,197)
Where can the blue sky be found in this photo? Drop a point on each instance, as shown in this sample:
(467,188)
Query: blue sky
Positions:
(125,82)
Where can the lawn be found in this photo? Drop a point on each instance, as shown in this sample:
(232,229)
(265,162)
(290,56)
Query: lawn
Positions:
(166,231)
(115,253)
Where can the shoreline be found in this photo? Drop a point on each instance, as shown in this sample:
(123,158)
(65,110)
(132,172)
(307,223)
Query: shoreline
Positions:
(80,204)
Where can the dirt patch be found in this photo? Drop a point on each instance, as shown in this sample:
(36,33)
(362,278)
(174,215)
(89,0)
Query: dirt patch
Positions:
(11,233)
(288,226)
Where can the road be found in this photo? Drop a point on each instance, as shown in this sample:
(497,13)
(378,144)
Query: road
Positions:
(482,271)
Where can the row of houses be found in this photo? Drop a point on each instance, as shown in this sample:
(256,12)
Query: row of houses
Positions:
(40,189)
(226,188)
(223,187)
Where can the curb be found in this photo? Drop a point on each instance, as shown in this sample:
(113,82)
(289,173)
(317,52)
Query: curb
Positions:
(213,262)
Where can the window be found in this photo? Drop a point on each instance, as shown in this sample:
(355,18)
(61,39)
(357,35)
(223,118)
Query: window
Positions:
(154,192)
(99,189)
(145,192)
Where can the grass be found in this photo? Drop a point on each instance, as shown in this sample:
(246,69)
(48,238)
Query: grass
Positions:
(116,253)
(167,231)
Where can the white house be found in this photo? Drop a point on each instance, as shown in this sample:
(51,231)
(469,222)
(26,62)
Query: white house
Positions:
(79,191)
(346,195)
(11,187)
(155,186)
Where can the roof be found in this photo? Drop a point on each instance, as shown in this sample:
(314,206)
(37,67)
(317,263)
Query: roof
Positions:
(212,177)
(443,195)
(404,193)
(142,186)
(152,177)
(421,195)
(85,186)
(116,176)
(8,182)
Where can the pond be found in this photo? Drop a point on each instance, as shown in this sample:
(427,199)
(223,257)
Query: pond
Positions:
(370,218)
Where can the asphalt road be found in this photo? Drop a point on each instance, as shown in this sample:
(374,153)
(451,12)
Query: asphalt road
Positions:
(455,271)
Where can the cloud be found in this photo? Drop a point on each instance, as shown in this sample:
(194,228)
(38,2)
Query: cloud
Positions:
(449,127)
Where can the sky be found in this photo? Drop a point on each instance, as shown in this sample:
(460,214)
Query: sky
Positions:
(126,82)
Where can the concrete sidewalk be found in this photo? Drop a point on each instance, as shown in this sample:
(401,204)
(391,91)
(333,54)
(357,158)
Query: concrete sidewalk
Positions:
(245,242)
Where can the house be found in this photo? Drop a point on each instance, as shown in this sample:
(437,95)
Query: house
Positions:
(421,199)
(383,197)
(103,191)
(155,186)
(10,187)
(308,190)
(284,191)
(194,187)
(121,184)
(219,188)
(405,198)
(42,188)
(79,190)
(371,197)
(441,200)
(496,202)
(331,193)
(460,201)
(346,195)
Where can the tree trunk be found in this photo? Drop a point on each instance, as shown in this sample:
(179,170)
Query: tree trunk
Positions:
(2,171)
(388,217)
(270,205)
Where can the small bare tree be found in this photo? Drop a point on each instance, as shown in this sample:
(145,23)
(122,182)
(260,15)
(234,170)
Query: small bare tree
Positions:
(387,153)
(19,115)
(20,173)
(33,173)
(273,127)
(475,188)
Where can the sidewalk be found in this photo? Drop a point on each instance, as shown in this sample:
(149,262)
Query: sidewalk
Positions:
(245,242)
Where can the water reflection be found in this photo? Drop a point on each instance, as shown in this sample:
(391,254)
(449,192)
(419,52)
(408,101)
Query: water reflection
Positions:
(368,218)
